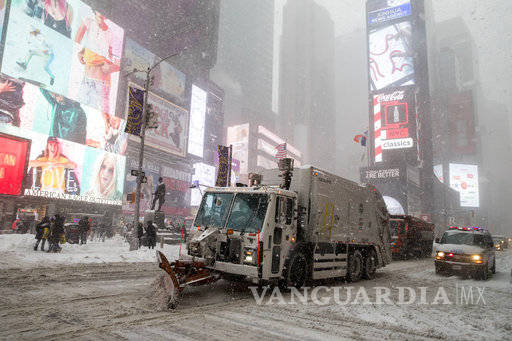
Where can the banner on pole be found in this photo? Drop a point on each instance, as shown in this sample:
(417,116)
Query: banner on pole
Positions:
(222,172)
(135,109)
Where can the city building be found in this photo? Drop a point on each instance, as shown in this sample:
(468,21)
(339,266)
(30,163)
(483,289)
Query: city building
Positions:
(307,105)
(245,61)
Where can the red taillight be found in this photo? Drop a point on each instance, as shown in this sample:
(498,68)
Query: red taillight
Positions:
(450,255)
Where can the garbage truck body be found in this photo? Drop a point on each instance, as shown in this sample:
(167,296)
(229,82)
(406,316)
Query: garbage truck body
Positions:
(322,226)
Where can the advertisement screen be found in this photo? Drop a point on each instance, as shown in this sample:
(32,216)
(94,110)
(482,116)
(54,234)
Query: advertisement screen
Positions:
(13,160)
(197,121)
(168,82)
(205,175)
(394,122)
(62,169)
(391,56)
(65,47)
(464,179)
(171,133)
(238,136)
(386,10)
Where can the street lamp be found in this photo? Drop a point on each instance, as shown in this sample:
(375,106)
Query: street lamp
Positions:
(140,177)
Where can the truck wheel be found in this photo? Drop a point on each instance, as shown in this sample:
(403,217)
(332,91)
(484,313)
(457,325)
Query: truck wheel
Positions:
(370,265)
(295,275)
(493,270)
(354,266)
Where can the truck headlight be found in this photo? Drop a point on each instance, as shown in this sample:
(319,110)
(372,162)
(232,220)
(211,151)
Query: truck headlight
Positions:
(476,258)
(440,255)
(249,256)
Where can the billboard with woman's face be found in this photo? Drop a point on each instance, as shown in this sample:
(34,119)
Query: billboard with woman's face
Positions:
(65,47)
(62,169)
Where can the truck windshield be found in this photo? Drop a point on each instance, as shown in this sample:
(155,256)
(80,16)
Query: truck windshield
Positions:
(214,209)
(396,227)
(462,238)
(248,212)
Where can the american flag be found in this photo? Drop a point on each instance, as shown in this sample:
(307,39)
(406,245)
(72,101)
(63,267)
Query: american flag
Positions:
(281,151)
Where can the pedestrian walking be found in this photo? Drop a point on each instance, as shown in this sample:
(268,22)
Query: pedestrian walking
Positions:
(140,233)
(56,233)
(42,232)
(83,229)
(151,234)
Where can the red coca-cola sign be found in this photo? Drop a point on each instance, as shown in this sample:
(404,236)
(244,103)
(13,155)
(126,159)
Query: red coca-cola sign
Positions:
(13,163)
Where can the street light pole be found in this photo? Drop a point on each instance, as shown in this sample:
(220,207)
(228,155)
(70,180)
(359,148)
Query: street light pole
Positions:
(140,177)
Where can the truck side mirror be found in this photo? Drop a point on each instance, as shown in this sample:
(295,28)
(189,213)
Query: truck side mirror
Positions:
(438,240)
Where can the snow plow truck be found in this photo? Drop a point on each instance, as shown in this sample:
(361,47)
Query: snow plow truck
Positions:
(302,225)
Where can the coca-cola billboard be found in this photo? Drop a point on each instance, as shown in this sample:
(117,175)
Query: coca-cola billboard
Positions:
(394,123)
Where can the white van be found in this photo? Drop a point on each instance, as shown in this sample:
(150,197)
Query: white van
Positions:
(468,250)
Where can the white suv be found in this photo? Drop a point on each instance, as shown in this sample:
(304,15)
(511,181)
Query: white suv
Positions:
(468,250)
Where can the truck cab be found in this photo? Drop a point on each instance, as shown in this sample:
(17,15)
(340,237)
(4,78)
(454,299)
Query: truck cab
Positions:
(251,230)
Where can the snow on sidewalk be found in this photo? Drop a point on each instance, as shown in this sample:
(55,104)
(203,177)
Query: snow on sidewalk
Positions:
(17,251)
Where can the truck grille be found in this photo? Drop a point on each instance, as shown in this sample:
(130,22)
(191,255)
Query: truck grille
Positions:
(230,251)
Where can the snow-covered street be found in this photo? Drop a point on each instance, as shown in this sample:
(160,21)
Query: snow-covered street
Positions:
(88,293)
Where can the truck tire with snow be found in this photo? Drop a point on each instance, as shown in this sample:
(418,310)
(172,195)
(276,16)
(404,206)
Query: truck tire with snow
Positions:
(295,273)
(370,264)
(354,266)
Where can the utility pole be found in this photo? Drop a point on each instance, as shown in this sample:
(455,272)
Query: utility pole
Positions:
(140,177)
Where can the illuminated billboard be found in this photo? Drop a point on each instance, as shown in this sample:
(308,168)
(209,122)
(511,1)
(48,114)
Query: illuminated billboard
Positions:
(464,179)
(171,134)
(205,176)
(13,162)
(168,82)
(394,122)
(386,10)
(61,169)
(197,121)
(391,56)
(65,47)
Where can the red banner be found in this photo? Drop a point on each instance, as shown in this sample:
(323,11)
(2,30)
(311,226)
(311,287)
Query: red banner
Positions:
(13,161)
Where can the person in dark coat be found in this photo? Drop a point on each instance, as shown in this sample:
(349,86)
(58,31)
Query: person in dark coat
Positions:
(83,228)
(56,232)
(140,233)
(151,234)
(40,235)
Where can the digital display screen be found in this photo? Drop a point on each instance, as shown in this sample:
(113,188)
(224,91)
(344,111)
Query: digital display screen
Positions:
(394,121)
(63,169)
(464,179)
(391,56)
(197,121)
(171,133)
(387,10)
(168,81)
(205,175)
(238,136)
(13,157)
(65,47)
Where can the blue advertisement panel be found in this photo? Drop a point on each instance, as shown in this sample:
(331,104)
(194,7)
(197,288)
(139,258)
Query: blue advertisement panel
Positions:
(390,10)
